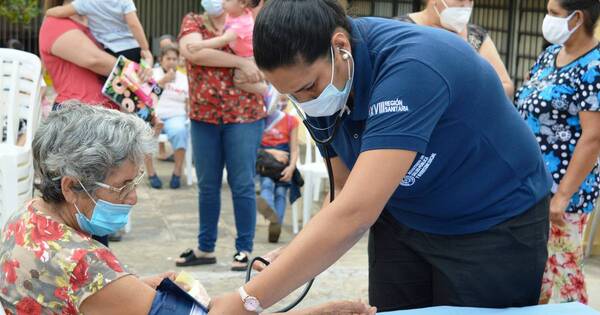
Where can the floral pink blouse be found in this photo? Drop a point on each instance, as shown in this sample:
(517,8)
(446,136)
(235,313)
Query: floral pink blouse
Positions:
(50,268)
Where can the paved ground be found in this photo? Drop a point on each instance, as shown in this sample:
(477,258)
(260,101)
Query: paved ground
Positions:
(165,222)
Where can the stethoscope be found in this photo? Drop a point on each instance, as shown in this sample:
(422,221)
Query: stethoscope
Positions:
(325,143)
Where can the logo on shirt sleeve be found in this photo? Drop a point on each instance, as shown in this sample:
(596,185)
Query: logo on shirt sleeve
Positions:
(418,169)
(392,106)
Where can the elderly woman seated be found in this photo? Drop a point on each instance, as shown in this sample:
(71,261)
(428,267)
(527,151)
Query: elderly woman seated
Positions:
(88,160)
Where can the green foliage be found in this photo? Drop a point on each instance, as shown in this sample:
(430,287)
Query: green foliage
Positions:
(19,11)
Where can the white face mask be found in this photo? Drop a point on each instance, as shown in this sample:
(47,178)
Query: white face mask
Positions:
(556,29)
(331,100)
(454,18)
(213,7)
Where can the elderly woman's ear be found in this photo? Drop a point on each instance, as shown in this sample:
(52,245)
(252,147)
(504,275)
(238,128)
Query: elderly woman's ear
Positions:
(69,189)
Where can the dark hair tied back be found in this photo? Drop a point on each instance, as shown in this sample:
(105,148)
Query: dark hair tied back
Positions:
(590,9)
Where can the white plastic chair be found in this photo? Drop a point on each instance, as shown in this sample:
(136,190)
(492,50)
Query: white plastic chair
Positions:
(313,171)
(20,78)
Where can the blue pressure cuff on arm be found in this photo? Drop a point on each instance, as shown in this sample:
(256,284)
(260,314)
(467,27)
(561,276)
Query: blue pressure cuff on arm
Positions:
(170,299)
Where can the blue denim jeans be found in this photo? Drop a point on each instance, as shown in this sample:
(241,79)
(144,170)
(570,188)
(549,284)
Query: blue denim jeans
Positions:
(275,195)
(233,146)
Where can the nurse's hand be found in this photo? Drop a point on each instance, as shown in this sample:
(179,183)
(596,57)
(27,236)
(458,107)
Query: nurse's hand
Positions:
(558,205)
(270,257)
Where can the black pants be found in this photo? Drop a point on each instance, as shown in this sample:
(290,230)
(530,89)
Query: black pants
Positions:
(134,54)
(500,267)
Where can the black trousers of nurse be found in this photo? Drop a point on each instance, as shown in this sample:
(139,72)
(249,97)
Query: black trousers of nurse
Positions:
(497,268)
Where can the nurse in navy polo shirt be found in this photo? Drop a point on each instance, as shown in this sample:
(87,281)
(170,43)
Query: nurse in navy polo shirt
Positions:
(429,156)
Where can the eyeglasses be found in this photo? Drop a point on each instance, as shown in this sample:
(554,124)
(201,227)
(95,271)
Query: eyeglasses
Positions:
(125,190)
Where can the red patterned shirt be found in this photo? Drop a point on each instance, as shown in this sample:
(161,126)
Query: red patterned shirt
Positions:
(48,267)
(213,95)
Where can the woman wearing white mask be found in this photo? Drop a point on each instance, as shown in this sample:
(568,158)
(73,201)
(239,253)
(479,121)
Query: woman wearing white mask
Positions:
(426,153)
(226,129)
(561,106)
(454,16)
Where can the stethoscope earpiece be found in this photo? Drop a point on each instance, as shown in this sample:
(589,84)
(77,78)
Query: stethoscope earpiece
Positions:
(345,54)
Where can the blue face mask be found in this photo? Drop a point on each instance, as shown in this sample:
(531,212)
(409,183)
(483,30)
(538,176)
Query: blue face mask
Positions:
(107,217)
(331,100)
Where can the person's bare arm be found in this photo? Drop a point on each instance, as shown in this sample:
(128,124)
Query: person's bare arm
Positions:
(294,147)
(288,172)
(372,181)
(215,42)
(74,46)
(62,11)
(581,164)
(489,52)
(127,296)
(217,58)
(135,26)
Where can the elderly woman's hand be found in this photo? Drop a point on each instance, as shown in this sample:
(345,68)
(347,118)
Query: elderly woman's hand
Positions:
(154,281)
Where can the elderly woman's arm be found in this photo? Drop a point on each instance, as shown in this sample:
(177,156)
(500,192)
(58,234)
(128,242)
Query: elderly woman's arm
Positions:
(217,58)
(489,52)
(74,46)
(127,295)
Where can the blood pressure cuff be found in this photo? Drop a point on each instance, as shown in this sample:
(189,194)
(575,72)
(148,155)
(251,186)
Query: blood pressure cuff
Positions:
(170,299)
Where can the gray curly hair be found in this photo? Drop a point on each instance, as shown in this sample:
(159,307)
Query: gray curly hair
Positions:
(86,142)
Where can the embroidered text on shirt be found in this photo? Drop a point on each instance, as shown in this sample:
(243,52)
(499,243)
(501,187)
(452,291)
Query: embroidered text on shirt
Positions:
(393,106)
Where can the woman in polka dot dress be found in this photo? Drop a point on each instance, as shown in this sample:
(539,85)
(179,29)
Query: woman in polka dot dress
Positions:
(561,104)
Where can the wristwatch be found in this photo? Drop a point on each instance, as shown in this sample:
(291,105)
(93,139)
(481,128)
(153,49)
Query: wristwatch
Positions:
(250,303)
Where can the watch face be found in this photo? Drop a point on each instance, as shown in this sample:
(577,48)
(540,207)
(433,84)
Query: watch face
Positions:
(251,303)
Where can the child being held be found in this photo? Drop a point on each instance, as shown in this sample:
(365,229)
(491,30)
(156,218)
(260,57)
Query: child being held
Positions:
(114,23)
(239,25)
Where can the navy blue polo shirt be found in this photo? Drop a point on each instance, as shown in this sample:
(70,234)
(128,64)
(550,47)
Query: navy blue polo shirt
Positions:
(426,90)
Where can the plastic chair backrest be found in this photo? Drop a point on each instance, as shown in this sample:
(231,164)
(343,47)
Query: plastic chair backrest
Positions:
(20,78)
(16,179)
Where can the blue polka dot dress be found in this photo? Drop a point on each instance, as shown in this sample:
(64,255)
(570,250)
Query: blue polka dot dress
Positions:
(550,102)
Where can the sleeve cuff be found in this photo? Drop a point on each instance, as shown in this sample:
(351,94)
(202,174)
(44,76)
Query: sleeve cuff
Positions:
(398,142)
(77,6)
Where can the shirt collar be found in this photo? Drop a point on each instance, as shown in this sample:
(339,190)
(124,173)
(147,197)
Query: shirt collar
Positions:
(361,85)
